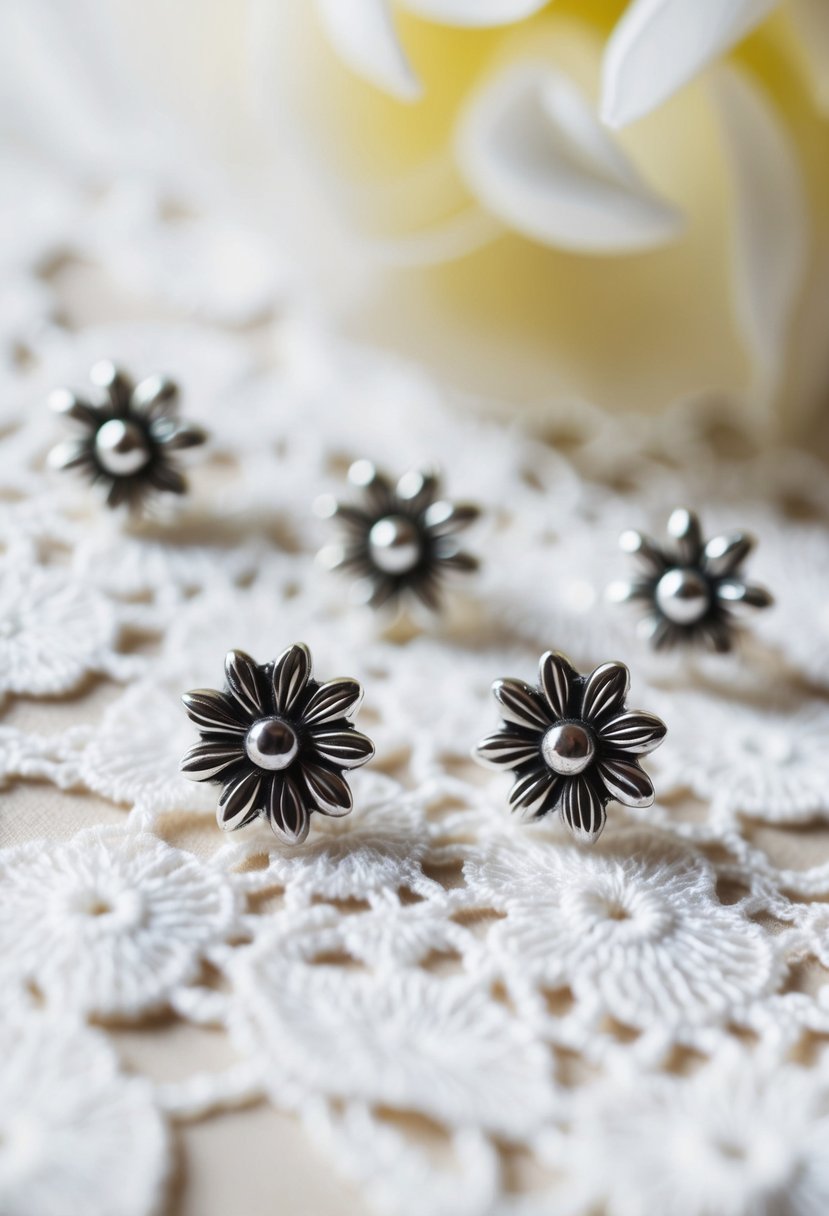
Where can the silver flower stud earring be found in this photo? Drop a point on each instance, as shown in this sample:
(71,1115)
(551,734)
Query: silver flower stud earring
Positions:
(571,744)
(127,436)
(277,741)
(400,540)
(689,587)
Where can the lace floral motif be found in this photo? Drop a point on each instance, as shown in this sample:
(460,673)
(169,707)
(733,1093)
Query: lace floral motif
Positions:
(389,934)
(133,756)
(734,1138)
(409,1041)
(54,632)
(799,626)
(77,1135)
(771,764)
(634,929)
(110,923)
(380,849)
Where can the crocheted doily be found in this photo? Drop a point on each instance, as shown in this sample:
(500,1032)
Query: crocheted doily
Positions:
(466,1014)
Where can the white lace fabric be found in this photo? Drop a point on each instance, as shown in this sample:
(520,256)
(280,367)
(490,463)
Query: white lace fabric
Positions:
(466,1014)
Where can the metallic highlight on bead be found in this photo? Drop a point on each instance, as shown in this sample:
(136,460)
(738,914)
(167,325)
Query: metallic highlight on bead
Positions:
(683,596)
(394,544)
(121,447)
(568,748)
(271,744)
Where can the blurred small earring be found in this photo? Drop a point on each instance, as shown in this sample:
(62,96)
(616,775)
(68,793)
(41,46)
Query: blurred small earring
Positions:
(400,540)
(277,741)
(689,587)
(571,744)
(127,436)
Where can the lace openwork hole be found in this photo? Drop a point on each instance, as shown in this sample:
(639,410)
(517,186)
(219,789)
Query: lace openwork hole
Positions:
(9,626)
(112,911)
(775,746)
(731,1150)
(628,914)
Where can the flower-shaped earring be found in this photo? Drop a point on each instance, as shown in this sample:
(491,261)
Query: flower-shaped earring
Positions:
(401,540)
(571,744)
(127,438)
(277,741)
(690,586)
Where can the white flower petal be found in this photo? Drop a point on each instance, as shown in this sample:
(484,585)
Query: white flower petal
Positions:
(770,239)
(659,45)
(474,12)
(455,237)
(363,35)
(532,151)
(811,21)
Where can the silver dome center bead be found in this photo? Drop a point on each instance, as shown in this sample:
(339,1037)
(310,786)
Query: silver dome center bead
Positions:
(568,748)
(271,744)
(121,447)
(395,544)
(683,596)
